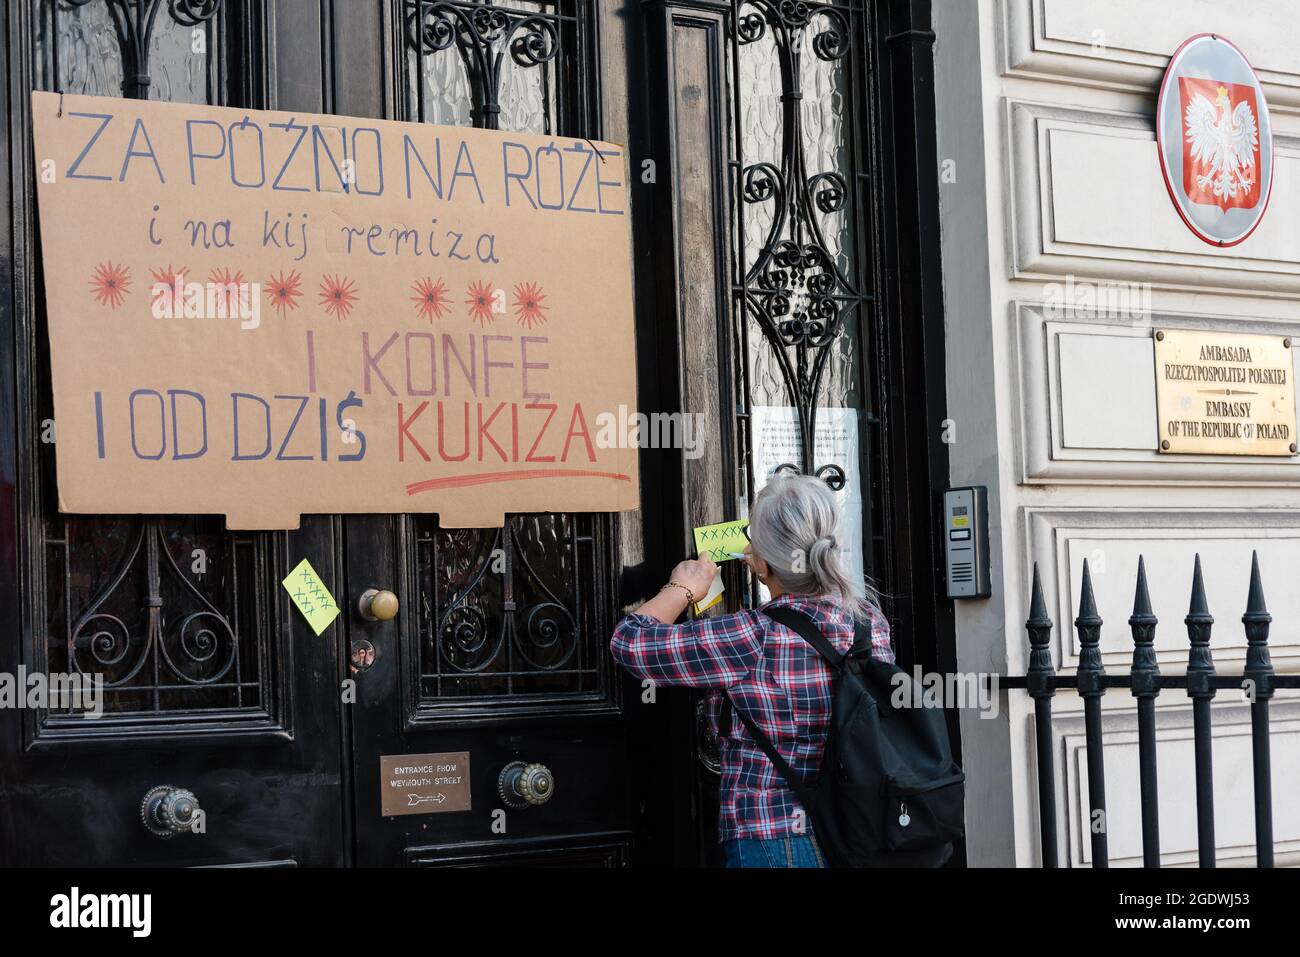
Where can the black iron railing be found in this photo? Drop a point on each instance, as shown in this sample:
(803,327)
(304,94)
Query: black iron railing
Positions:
(1145,682)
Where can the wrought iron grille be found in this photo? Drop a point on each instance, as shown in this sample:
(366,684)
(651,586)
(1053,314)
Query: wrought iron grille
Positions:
(802,269)
(155,606)
(130,48)
(508,612)
(173,612)
(519,612)
(511,65)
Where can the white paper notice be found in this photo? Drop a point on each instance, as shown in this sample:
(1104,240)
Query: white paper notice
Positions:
(775,441)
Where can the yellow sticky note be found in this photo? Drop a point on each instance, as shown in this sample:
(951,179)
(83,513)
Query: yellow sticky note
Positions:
(311,596)
(712,596)
(721,539)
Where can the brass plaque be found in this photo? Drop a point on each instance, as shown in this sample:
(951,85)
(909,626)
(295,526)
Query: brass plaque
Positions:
(1221,393)
(423,783)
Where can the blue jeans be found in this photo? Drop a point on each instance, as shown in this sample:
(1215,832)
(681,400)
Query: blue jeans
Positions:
(790,850)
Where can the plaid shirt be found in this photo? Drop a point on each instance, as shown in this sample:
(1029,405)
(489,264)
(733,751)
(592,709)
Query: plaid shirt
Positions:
(771,672)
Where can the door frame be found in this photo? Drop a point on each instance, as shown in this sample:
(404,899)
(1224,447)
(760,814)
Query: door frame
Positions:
(281,71)
(907,348)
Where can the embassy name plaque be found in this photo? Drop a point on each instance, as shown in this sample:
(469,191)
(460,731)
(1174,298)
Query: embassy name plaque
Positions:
(1220,393)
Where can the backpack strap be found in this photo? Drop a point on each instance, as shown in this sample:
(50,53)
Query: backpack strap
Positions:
(765,743)
(861,639)
(807,629)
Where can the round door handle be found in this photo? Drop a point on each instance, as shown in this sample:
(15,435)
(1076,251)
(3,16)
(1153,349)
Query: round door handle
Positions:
(378,604)
(168,811)
(525,785)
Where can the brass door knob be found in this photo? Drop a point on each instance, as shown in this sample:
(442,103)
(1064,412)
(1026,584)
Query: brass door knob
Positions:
(378,604)
(525,785)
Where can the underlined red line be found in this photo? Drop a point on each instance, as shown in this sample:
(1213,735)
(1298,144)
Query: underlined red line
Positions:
(519,475)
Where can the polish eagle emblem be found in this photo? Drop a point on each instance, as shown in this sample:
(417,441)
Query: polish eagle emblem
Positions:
(1221,144)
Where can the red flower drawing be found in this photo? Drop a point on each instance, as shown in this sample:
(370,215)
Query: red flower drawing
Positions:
(110,284)
(164,284)
(528,304)
(284,291)
(431,298)
(338,295)
(231,290)
(480,303)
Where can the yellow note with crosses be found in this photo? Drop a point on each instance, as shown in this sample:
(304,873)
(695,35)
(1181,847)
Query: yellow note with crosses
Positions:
(313,599)
(720,540)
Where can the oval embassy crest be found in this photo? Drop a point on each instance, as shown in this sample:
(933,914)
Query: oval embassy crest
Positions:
(1215,140)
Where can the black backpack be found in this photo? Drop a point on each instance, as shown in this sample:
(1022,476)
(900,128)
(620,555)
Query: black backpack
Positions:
(889,793)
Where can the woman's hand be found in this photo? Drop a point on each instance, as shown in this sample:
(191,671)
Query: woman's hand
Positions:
(697,574)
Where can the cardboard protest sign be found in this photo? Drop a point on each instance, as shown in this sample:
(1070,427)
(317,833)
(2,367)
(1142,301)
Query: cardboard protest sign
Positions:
(265,314)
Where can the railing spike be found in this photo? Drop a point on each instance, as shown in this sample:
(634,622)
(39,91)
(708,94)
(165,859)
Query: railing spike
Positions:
(1142,613)
(1259,666)
(1198,612)
(1087,603)
(1038,618)
(1039,626)
(1255,608)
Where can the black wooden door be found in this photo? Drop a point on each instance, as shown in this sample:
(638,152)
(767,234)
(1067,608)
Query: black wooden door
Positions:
(498,658)
(211,685)
(214,684)
(497,661)
(796,268)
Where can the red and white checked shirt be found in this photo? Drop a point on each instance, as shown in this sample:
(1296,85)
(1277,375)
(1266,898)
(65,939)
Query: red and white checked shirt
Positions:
(771,672)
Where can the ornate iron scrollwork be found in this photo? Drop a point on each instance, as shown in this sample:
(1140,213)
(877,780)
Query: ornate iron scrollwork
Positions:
(134,23)
(798,293)
(503,627)
(544,634)
(197,647)
(833,475)
(483,34)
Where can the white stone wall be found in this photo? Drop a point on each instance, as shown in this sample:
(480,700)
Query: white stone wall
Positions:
(1045,125)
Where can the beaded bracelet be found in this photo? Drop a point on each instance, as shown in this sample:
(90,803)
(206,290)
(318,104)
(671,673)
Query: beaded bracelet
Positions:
(690,596)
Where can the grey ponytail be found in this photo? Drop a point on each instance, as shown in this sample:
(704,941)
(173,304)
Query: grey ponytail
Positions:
(795,527)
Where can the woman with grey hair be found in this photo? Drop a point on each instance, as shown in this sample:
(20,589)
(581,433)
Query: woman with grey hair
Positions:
(796,550)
